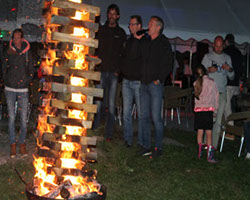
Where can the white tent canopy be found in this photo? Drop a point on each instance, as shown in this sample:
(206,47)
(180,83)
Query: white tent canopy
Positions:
(188,19)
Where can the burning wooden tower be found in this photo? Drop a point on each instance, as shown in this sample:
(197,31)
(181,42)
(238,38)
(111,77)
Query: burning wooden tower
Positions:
(67,109)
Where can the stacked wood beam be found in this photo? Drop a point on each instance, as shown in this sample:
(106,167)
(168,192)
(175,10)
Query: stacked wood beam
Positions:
(61,134)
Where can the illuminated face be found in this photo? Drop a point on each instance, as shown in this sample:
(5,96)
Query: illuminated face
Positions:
(134,26)
(112,17)
(17,39)
(218,46)
(154,28)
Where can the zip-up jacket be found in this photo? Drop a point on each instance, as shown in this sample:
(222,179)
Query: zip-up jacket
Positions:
(17,66)
(132,60)
(209,96)
(157,59)
(111,44)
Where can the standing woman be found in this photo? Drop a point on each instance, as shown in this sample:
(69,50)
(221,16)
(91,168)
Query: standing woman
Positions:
(18,71)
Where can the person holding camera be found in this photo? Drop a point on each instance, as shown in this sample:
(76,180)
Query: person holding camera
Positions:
(219,68)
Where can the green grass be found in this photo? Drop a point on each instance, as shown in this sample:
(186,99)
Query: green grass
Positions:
(177,175)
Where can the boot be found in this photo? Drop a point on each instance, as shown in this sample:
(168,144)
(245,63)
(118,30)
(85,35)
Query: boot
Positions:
(200,149)
(210,155)
(23,151)
(13,150)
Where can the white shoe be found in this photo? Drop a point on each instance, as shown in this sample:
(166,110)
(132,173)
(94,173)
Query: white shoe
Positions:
(247,156)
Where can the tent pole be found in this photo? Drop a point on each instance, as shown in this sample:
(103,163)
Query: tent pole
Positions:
(247,64)
(190,60)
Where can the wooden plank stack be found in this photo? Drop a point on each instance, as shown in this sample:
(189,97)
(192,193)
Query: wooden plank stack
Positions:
(61,134)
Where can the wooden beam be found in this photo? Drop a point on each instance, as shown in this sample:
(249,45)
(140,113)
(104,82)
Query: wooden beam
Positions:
(69,63)
(80,7)
(93,59)
(63,71)
(90,108)
(63,37)
(55,19)
(69,12)
(52,137)
(44,152)
(73,172)
(69,122)
(65,46)
(90,156)
(55,151)
(64,88)
(66,29)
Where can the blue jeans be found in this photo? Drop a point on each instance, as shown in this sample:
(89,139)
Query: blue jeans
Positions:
(151,105)
(131,91)
(22,99)
(109,84)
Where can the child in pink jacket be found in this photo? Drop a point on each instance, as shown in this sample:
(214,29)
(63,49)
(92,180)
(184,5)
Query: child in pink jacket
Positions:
(206,102)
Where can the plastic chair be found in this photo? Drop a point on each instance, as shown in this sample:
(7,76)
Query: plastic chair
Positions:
(237,129)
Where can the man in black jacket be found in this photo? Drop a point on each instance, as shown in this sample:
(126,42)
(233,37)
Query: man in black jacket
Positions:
(233,86)
(157,64)
(17,69)
(111,42)
(131,71)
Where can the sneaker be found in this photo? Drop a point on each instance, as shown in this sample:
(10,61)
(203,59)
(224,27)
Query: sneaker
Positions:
(210,155)
(156,153)
(229,137)
(127,144)
(145,152)
(247,156)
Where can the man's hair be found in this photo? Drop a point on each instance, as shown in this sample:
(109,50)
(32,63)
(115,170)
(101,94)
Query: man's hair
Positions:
(18,30)
(114,7)
(230,38)
(138,18)
(159,22)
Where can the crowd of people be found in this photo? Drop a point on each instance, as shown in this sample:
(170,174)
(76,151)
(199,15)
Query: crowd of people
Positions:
(143,62)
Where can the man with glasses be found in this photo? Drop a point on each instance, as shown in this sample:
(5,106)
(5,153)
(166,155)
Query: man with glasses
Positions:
(131,68)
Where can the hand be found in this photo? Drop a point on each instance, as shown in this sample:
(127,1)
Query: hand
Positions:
(116,74)
(212,69)
(156,82)
(226,67)
(138,36)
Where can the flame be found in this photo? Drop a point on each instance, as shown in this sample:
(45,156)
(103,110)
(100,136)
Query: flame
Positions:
(76,130)
(41,174)
(69,150)
(69,146)
(76,1)
(77,114)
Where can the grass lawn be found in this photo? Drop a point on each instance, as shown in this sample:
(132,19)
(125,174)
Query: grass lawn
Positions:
(176,175)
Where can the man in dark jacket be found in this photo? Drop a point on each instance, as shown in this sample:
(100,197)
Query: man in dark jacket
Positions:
(233,86)
(157,64)
(111,42)
(17,72)
(131,71)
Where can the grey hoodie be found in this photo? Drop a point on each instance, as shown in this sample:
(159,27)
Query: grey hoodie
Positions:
(220,76)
